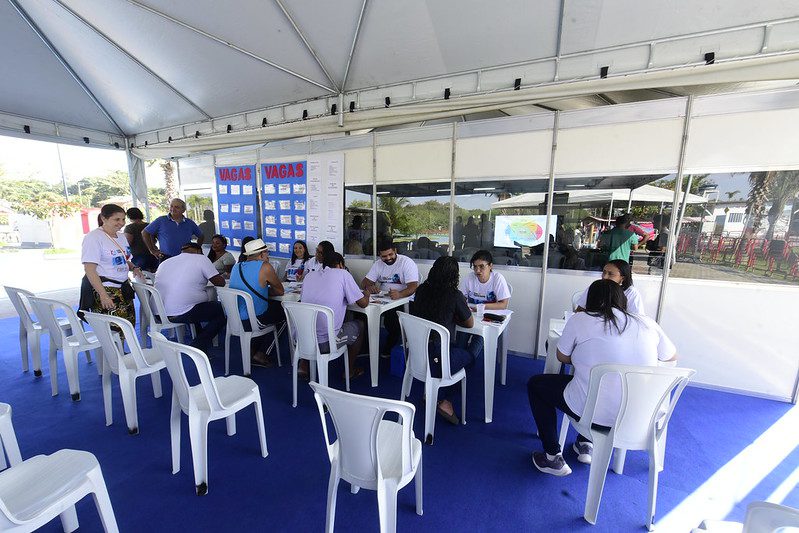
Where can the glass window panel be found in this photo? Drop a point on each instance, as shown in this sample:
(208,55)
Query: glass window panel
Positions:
(358,220)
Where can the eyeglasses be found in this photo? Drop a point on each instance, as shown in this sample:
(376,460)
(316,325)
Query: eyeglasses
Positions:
(480,266)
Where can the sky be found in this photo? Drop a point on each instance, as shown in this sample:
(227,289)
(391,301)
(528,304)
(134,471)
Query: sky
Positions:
(23,159)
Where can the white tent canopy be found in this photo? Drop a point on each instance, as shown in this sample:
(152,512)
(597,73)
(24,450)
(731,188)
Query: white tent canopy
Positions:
(174,77)
(645,193)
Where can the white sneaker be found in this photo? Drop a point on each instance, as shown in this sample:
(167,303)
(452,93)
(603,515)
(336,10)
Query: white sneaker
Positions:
(584,451)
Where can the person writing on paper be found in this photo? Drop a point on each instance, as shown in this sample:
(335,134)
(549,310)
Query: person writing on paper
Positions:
(439,300)
(334,287)
(605,333)
(620,272)
(258,277)
(398,275)
(222,260)
(315,263)
(296,265)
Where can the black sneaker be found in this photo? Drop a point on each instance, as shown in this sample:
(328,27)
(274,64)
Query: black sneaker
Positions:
(584,451)
(555,467)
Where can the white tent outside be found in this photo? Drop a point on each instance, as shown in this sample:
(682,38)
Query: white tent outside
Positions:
(644,193)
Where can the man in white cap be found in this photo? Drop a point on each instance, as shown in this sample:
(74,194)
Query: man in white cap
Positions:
(257,277)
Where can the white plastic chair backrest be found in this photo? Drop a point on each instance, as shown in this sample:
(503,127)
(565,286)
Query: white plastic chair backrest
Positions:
(644,390)
(764,517)
(356,419)
(172,354)
(149,276)
(576,299)
(302,319)
(46,310)
(277,266)
(416,337)
(101,325)
(17,297)
(230,302)
(150,297)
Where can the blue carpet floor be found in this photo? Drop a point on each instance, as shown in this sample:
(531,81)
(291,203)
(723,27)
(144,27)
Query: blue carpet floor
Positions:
(477,477)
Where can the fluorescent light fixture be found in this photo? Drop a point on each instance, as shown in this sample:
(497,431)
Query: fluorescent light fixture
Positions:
(573,185)
(383,192)
(484,189)
(443,190)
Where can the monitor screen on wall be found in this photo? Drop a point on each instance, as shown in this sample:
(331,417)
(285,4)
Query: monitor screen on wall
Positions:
(512,231)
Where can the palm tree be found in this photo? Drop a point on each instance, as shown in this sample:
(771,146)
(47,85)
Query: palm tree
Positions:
(732,194)
(784,187)
(394,209)
(760,183)
(170,182)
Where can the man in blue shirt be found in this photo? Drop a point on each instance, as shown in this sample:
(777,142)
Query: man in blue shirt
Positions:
(172,231)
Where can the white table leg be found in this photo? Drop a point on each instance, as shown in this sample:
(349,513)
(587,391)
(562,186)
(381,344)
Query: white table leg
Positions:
(552,365)
(373,327)
(490,366)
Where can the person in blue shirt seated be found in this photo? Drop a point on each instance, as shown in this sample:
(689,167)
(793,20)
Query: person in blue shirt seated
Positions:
(257,277)
(172,230)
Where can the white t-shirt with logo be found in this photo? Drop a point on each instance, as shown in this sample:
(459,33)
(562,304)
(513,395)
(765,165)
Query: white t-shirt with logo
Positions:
(635,303)
(334,288)
(396,276)
(293,268)
(312,265)
(107,253)
(182,279)
(494,290)
(589,342)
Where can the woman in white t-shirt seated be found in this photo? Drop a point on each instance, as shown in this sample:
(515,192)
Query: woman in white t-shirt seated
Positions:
(222,259)
(621,272)
(604,333)
(296,266)
(484,287)
(317,261)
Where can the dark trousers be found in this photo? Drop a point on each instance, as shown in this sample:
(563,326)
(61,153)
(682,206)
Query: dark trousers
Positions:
(391,322)
(545,392)
(209,312)
(273,315)
(459,357)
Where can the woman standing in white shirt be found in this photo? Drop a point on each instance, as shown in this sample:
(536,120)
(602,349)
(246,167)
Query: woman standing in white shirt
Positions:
(106,260)
(619,270)
(604,333)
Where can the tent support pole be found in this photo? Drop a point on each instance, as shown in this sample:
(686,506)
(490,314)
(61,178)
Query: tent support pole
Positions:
(451,246)
(550,201)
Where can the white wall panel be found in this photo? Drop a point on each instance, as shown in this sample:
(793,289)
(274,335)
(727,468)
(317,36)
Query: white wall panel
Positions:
(761,140)
(358,166)
(518,154)
(196,171)
(415,162)
(628,148)
(236,159)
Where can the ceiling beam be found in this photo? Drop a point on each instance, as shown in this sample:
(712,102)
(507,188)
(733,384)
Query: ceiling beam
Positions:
(130,56)
(231,46)
(50,46)
(307,44)
(354,43)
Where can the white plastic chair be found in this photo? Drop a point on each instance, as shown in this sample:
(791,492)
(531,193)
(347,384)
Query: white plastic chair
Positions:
(278,266)
(212,399)
(230,302)
(152,313)
(576,299)
(38,489)
(70,343)
(139,362)
(648,397)
(29,328)
(415,338)
(761,517)
(8,440)
(301,318)
(370,452)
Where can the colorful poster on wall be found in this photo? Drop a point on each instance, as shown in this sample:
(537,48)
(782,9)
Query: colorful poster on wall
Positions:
(236,193)
(512,231)
(284,205)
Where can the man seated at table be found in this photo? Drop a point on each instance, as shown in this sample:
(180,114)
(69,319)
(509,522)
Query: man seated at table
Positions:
(181,280)
(258,277)
(398,275)
(333,286)
(618,241)
(172,231)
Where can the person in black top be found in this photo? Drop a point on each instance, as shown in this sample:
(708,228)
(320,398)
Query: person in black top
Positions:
(439,300)
(142,257)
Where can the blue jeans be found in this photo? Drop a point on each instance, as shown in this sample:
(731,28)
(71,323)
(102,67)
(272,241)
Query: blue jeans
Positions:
(209,312)
(459,358)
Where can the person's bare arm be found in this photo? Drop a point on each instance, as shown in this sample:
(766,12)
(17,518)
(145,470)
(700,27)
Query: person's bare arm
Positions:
(364,301)
(218,280)
(409,290)
(502,304)
(150,243)
(370,286)
(468,323)
(94,278)
(129,238)
(563,358)
(267,275)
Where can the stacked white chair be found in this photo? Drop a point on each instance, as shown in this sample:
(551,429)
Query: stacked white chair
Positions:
(29,329)
(70,342)
(152,313)
(128,366)
(301,319)
(235,326)
(415,338)
(369,451)
(649,395)
(34,491)
(212,399)
(761,517)
(8,439)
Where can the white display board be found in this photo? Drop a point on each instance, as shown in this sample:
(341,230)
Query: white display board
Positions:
(326,199)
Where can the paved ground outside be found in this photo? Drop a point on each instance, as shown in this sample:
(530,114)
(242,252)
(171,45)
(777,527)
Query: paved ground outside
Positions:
(51,275)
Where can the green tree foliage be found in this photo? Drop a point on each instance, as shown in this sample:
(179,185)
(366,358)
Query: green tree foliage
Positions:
(94,190)
(36,198)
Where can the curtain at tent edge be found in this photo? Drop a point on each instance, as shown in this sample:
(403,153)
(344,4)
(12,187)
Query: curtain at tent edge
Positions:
(138,183)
